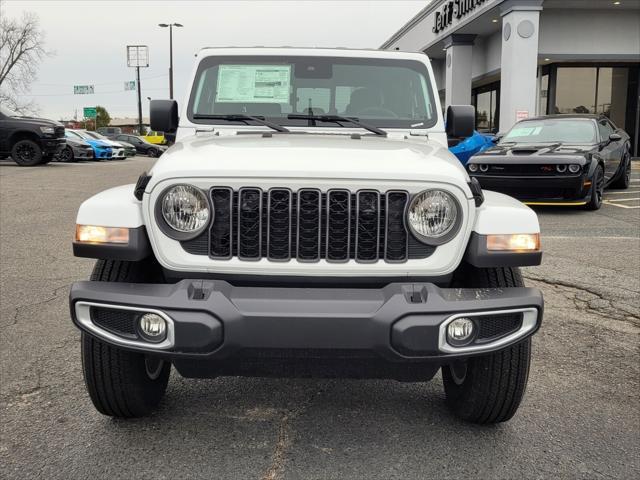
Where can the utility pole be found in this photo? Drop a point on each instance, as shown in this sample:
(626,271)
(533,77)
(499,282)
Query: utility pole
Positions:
(170,25)
(139,101)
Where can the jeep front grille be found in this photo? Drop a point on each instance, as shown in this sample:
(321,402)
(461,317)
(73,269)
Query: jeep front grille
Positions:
(308,225)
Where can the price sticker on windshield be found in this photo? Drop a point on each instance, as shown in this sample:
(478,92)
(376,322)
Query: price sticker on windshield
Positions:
(253,84)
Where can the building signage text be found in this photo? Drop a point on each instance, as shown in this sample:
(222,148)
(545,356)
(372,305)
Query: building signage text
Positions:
(453,9)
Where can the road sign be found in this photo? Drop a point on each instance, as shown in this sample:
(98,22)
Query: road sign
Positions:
(90,112)
(82,89)
(131,85)
(137,56)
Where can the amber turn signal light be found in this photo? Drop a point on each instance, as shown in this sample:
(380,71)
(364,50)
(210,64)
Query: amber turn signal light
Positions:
(519,242)
(94,234)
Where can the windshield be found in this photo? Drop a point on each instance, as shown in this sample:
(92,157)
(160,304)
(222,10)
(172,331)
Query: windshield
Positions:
(380,92)
(8,112)
(573,130)
(96,135)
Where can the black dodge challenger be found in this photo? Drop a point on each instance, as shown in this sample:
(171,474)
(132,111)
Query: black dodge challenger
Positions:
(556,160)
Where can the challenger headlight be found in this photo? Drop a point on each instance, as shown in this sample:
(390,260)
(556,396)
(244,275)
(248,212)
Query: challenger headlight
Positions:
(434,216)
(185,209)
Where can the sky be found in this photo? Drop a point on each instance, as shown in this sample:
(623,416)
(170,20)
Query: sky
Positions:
(88,40)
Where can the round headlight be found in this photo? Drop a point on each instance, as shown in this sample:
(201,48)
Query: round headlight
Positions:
(434,216)
(473,167)
(185,208)
(574,168)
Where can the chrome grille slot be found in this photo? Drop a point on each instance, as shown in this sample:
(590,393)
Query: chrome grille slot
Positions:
(308,225)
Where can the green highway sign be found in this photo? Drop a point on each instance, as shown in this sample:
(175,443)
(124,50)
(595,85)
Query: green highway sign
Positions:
(90,112)
(83,89)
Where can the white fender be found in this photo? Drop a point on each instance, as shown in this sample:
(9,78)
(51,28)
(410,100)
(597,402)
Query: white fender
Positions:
(501,214)
(116,207)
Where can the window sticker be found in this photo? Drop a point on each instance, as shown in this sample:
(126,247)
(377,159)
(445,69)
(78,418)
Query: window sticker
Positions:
(253,84)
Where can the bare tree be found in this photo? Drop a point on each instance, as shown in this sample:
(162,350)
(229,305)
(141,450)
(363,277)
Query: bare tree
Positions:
(21,51)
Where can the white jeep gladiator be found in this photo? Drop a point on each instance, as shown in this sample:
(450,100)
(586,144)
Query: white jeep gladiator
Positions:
(309,221)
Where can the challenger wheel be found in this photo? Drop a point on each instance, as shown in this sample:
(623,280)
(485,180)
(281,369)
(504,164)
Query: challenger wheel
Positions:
(489,388)
(66,155)
(624,179)
(597,189)
(122,383)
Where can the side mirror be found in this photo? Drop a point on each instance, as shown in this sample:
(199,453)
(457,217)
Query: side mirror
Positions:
(163,115)
(615,137)
(461,120)
(497,137)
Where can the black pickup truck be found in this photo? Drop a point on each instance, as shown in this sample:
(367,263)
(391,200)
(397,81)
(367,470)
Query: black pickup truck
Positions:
(28,140)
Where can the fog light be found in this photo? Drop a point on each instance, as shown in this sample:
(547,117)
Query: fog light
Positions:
(473,167)
(460,331)
(574,168)
(152,327)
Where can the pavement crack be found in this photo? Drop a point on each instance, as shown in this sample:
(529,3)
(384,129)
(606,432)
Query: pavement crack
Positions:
(285,440)
(604,309)
(55,293)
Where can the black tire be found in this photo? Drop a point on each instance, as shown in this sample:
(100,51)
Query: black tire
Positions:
(26,153)
(597,189)
(624,178)
(46,159)
(122,383)
(153,152)
(489,388)
(66,155)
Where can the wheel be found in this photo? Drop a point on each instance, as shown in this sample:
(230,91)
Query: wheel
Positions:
(153,152)
(489,388)
(26,153)
(597,189)
(624,179)
(66,155)
(122,383)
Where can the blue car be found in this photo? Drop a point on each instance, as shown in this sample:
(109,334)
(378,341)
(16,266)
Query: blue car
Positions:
(101,149)
(468,147)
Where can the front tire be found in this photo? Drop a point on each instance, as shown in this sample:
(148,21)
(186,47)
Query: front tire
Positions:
(122,383)
(26,153)
(489,388)
(597,189)
(67,155)
(624,179)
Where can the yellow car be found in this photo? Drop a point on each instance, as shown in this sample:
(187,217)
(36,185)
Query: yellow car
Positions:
(157,138)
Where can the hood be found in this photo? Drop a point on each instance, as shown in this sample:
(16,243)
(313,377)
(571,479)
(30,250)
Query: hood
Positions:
(97,143)
(40,122)
(317,156)
(536,149)
(77,142)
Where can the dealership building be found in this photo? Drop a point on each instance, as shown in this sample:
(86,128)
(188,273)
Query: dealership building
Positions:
(513,59)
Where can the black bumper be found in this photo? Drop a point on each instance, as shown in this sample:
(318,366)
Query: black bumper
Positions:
(52,145)
(568,190)
(217,322)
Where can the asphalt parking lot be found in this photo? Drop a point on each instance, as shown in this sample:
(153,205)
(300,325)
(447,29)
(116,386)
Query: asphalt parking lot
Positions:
(580,417)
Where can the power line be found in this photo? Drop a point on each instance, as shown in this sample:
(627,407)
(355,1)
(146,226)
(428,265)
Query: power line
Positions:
(102,83)
(83,95)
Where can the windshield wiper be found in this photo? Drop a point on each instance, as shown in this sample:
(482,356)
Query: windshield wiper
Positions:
(337,119)
(241,117)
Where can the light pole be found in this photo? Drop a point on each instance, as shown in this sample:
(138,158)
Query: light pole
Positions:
(170,25)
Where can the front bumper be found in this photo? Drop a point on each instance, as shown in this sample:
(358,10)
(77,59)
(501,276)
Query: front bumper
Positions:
(83,153)
(102,153)
(537,190)
(53,145)
(214,320)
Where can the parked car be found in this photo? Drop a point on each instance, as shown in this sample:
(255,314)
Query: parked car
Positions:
(557,160)
(120,150)
(348,247)
(109,131)
(101,149)
(75,149)
(142,146)
(476,143)
(29,140)
(157,138)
